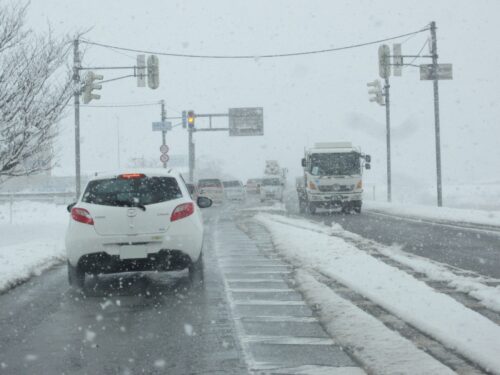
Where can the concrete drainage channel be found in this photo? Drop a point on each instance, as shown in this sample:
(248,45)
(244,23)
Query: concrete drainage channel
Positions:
(445,355)
(279,333)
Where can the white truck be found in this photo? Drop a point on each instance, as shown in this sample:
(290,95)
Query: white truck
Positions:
(332,177)
(273,183)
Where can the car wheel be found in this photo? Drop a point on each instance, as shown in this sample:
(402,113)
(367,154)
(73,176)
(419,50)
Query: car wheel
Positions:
(76,276)
(196,271)
(312,209)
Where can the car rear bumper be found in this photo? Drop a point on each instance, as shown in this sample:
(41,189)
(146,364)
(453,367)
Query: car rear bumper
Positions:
(164,260)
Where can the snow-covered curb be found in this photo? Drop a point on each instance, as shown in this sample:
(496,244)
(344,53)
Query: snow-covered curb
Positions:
(437,314)
(378,348)
(20,262)
(33,243)
(457,215)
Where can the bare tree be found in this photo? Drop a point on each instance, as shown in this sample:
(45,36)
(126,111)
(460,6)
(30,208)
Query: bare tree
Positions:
(35,87)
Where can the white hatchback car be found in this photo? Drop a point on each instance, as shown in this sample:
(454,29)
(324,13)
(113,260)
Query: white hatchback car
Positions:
(145,220)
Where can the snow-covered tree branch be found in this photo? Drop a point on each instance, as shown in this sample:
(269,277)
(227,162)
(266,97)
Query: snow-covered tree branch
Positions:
(35,87)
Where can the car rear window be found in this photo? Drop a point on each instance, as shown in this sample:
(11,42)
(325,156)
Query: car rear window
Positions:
(232,184)
(127,192)
(209,183)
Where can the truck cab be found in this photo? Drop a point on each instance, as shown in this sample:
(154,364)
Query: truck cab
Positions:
(333,177)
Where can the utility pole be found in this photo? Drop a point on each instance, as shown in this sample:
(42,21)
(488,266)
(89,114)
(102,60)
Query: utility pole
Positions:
(388,137)
(76,84)
(436,112)
(164,132)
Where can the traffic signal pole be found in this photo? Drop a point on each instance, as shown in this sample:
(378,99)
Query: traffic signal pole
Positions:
(436,113)
(164,132)
(191,154)
(76,84)
(388,137)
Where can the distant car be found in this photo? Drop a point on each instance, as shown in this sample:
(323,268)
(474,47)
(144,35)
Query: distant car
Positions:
(271,188)
(193,191)
(253,185)
(142,220)
(234,190)
(212,188)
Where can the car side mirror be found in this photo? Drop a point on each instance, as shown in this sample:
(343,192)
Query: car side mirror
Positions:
(204,202)
(368,159)
(303,162)
(70,206)
(368,166)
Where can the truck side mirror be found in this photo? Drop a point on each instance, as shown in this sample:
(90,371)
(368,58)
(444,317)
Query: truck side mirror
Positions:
(368,166)
(303,162)
(368,159)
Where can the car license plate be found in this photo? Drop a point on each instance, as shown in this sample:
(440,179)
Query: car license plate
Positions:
(133,252)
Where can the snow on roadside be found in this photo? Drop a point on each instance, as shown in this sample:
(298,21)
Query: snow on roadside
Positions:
(33,243)
(380,349)
(436,213)
(487,295)
(437,314)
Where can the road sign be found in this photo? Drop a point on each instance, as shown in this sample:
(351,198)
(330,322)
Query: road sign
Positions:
(444,71)
(397,60)
(384,61)
(164,158)
(162,126)
(164,149)
(246,121)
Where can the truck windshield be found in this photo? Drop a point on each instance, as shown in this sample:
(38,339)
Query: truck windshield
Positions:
(335,164)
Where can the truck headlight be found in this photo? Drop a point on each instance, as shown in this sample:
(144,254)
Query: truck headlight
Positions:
(312,186)
(359,185)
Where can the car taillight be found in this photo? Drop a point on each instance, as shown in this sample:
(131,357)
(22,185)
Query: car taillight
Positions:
(81,215)
(182,211)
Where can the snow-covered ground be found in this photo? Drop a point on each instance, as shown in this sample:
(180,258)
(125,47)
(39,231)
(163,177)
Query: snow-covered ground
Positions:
(313,246)
(33,242)
(436,213)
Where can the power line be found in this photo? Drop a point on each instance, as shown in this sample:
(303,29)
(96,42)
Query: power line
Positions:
(276,55)
(120,105)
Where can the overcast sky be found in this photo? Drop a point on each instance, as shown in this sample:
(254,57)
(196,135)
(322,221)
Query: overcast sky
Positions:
(305,99)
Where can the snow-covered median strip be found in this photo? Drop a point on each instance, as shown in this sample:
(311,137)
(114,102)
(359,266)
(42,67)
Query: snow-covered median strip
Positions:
(456,215)
(436,314)
(381,350)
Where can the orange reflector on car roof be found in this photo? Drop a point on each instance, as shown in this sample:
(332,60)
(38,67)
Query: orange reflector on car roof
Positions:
(131,176)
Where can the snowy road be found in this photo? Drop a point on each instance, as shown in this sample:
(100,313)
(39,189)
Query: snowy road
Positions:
(474,250)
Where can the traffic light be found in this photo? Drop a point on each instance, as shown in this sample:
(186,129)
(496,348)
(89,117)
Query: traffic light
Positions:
(184,119)
(190,119)
(90,86)
(376,90)
(153,72)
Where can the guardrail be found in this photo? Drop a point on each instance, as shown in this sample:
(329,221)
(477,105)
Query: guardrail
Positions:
(51,197)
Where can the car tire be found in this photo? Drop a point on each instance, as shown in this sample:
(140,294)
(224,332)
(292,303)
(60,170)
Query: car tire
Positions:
(196,271)
(312,209)
(76,276)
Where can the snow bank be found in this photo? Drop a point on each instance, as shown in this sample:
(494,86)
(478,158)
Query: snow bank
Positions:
(437,314)
(380,349)
(437,213)
(33,243)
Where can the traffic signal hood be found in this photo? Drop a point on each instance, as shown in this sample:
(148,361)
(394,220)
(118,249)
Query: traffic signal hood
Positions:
(90,86)
(375,89)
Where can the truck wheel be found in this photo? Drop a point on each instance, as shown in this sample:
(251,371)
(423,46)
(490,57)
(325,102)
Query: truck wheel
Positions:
(76,276)
(312,209)
(302,207)
(357,208)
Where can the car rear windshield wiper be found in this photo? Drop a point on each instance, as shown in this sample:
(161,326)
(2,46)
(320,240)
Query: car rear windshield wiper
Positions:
(118,202)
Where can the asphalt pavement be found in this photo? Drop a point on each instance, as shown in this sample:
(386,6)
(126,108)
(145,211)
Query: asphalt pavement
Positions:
(134,323)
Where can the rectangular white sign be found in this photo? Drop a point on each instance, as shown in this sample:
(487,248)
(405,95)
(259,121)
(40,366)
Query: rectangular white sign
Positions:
(246,121)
